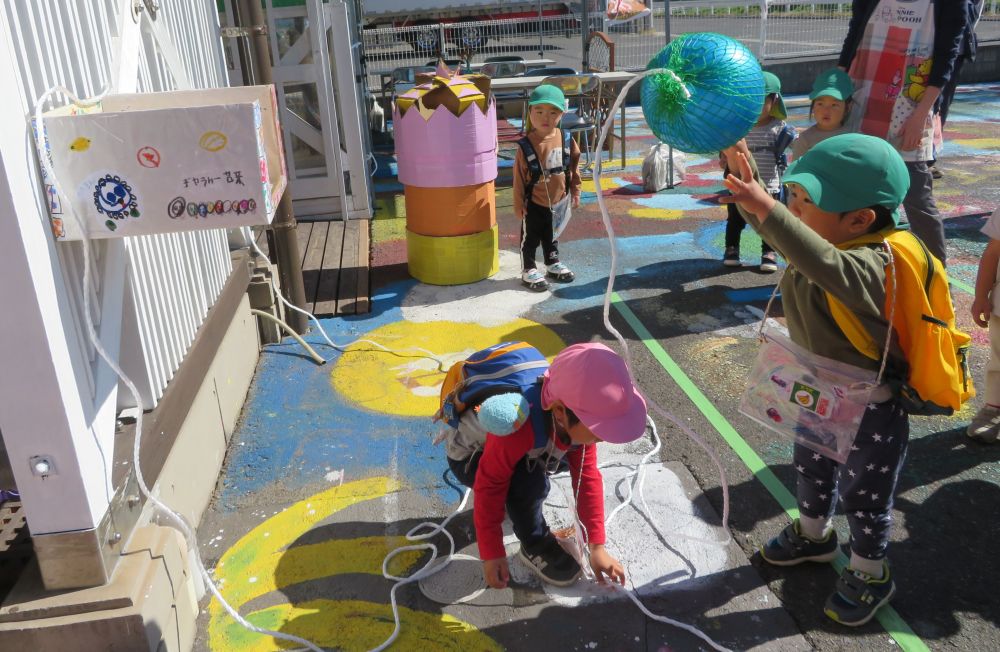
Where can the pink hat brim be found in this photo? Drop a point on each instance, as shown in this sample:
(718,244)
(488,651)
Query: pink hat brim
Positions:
(620,429)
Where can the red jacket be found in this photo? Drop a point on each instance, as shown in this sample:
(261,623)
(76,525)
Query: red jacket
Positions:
(499,457)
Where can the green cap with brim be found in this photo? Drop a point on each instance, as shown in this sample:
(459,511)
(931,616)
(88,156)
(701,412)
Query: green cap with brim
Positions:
(852,171)
(772,86)
(834,83)
(548,94)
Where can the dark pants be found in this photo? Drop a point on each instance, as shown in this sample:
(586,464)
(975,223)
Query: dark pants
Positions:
(734,229)
(536,228)
(528,491)
(866,482)
(921,211)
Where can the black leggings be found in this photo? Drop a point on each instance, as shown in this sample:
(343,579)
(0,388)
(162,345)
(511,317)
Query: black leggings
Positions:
(536,228)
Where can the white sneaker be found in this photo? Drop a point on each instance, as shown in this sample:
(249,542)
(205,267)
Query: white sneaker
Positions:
(560,272)
(534,279)
(985,425)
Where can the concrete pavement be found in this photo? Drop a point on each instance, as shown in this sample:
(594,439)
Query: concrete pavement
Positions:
(332,465)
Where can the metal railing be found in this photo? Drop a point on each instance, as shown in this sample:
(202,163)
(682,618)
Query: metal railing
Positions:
(774,30)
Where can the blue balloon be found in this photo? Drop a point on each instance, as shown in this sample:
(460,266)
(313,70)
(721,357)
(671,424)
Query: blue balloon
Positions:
(713,98)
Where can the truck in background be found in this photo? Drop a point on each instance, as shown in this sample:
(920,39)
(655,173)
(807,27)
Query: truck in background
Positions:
(472,36)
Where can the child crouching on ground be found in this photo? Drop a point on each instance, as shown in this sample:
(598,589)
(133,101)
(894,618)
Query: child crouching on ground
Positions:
(586,396)
(546,169)
(841,189)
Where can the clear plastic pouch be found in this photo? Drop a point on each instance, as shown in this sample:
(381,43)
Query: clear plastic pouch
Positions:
(561,212)
(816,401)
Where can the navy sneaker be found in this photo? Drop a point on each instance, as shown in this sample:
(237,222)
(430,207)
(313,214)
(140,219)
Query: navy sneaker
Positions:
(550,562)
(790,547)
(859,596)
(732,257)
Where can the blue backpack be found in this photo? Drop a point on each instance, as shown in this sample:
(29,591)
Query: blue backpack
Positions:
(500,369)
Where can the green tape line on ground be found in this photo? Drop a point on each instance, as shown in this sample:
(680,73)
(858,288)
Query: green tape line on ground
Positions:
(962,285)
(733,438)
(894,625)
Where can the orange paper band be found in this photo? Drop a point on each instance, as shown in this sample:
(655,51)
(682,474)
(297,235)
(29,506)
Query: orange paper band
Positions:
(462,210)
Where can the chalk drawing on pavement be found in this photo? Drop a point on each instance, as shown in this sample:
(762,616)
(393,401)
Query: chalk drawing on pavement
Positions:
(410,384)
(490,302)
(265,565)
(652,565)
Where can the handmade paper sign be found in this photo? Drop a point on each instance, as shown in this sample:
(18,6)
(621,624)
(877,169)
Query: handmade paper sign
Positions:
(165,162)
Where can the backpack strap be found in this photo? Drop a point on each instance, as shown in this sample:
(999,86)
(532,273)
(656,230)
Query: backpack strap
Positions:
(534,166)
(848,322)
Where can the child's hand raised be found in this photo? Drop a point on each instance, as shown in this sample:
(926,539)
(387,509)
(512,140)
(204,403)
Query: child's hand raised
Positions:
(744,189)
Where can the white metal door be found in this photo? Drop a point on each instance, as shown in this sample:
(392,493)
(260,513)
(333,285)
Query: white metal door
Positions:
(314,75)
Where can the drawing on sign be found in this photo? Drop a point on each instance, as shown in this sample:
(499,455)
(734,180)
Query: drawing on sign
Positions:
(113,197)
(213,141)
(148,157)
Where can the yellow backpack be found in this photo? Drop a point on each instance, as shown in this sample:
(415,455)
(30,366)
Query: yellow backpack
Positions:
(938,380)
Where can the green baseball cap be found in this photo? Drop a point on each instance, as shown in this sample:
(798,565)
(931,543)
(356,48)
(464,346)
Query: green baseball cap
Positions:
(833,82)
(548,94)
(772,85)
(852,171)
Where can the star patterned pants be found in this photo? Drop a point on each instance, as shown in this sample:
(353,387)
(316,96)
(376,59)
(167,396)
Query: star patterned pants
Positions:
(865,483)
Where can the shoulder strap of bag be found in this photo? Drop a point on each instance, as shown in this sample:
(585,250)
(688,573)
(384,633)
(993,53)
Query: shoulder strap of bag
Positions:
(534,166)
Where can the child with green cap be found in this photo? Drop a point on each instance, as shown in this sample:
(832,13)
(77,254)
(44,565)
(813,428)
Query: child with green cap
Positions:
(545,172)
(831,103)
(842,189)
(768,140)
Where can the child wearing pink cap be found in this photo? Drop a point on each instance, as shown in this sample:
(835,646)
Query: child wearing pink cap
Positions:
(585,396)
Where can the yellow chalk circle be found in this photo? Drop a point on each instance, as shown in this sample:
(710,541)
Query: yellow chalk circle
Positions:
(81,144)
(270,560)
(406,382)
(213,141)
(657,213)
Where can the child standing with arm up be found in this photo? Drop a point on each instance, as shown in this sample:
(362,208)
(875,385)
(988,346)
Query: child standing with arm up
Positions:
(545,171)
(841,190)
(767,140)
(985,310)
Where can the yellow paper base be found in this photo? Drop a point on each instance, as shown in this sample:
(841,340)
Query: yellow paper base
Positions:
(452,260)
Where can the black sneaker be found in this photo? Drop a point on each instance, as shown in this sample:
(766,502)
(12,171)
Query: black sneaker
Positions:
(732,257)
(769,262)
(790,547)
(550,562)
(859,596)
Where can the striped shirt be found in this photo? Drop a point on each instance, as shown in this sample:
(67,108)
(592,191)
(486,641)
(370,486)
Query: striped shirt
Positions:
(761,141)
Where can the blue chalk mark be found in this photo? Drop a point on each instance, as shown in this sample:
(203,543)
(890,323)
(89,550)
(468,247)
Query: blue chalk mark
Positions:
(750,295)
(683,202)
